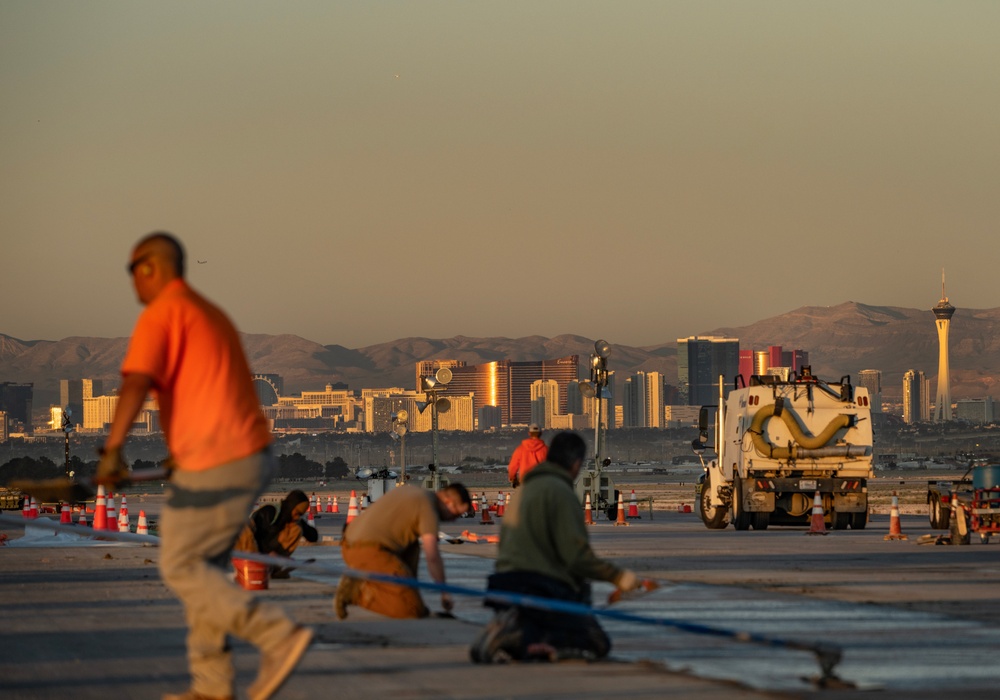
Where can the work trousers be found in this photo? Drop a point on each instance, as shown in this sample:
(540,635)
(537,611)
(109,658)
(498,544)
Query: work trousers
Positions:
(199,524)
(389,599)
(573,636)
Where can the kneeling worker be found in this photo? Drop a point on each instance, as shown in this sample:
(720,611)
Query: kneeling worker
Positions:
(387,538)
(277,531)
(545,552)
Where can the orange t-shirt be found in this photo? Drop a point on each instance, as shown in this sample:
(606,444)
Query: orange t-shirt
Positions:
(208,407)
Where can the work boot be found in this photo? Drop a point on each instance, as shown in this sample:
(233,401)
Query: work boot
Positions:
(347,589)
(278,664)
(499,641)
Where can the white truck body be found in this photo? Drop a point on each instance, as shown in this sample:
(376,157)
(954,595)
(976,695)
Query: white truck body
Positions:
(778,443)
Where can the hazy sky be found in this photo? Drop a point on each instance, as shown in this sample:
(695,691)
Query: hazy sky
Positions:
(356,172)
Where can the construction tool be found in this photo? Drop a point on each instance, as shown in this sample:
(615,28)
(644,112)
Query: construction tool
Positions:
(64,489)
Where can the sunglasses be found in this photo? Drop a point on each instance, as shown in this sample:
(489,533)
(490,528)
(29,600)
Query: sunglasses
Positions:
(138,261)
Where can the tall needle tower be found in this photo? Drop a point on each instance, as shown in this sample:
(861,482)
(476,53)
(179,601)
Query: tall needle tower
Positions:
(943,312)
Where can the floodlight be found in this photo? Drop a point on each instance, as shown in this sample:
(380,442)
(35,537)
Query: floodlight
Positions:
(443,405)
(443,375)
(602,348)
(402,415)
(587,390)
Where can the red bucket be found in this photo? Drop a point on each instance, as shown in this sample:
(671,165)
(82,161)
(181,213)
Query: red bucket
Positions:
(252,575)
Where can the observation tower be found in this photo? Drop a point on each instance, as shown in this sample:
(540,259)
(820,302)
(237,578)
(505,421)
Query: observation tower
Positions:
(943,313)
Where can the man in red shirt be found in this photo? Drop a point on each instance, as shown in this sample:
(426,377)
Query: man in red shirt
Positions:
(530,452)
(188,353)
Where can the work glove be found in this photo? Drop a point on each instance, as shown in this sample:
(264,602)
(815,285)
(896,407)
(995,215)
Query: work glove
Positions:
(627,581)
(111,468)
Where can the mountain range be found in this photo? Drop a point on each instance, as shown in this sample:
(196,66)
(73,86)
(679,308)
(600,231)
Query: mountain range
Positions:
(841,340)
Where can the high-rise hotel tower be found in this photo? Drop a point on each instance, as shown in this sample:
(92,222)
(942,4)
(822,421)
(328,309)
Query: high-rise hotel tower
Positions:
(943,313)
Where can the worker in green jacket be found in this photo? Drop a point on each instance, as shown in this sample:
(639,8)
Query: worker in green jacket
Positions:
(545,551)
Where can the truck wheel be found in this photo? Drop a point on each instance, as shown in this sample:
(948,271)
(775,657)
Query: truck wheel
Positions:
(760,520)
(839,521)
(942,512)
(859,520)
(715,517)
(741,518)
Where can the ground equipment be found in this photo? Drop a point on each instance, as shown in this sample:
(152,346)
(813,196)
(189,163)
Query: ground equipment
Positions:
(777,443)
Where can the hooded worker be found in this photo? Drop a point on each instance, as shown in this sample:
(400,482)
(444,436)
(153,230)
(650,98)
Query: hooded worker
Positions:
(278,530)
(530,452)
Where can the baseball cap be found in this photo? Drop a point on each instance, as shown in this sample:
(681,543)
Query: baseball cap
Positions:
(533,428)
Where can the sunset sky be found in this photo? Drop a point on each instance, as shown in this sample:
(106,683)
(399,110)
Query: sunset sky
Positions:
(357,172)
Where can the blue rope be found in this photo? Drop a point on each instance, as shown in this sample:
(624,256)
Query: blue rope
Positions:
(828,655)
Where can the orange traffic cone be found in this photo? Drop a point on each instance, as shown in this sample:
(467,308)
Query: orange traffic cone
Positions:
(501,505)
(317,511)
(112,513)
(100,511)
(26,508)
(352,507)
(64,515)
(123,523)
(33,508)
(336,505)
(817,526)
(329,504)
(485,510)
(895,531)
(621,512)
(588,510)
(82,522)
(142,527)
(311,521)
(633,507)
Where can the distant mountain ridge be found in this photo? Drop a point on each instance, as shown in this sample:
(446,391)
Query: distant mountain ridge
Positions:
(841,340)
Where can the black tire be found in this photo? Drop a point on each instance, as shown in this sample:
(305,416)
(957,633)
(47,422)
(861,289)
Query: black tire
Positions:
(934,510)
(859,520)
(715,518)
(759,520)
(941,512)
(741,518)
(839,521)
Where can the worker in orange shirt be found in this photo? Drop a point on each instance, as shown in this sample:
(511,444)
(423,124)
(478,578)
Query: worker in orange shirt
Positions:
(187,352)
(530,452)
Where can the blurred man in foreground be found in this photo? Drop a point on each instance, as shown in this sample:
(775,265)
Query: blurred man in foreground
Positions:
(186,351)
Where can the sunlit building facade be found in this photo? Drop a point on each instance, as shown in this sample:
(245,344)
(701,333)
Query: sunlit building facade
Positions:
(916,398)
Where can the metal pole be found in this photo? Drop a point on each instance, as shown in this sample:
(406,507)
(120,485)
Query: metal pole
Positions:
(434,440)
(402,458)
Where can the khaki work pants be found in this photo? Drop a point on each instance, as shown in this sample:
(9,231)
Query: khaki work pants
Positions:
(199,524)
(389,599)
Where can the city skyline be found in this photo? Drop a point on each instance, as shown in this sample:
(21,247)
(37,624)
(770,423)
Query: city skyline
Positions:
(354,173)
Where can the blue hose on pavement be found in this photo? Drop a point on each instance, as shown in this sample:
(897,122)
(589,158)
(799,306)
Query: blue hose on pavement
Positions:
(827,655)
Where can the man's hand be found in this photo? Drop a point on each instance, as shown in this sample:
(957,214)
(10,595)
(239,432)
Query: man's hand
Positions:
(446,602)
(111,469)
(627,581)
